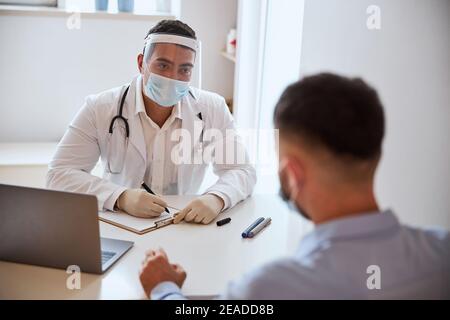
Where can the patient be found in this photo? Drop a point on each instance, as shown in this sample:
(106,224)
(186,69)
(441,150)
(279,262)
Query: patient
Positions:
(331,131)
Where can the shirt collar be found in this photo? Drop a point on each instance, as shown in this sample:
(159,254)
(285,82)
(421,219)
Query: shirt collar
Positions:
(360,226)
(140,106)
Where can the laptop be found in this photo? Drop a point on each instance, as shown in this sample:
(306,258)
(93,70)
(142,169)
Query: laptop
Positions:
(54,229)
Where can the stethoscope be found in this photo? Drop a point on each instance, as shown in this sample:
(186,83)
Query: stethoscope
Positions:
(119,117)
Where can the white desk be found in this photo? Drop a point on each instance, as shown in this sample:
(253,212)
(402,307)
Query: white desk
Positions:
(211,256)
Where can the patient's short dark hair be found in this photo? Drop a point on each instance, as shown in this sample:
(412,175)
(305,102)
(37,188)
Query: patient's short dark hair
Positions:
(342,114)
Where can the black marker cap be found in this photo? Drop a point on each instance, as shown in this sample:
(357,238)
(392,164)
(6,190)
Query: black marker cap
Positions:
(223,221)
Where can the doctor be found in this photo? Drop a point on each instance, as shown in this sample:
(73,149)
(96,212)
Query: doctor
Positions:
(136,129)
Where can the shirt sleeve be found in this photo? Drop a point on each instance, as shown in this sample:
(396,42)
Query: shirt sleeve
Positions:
(223,196)
(111,201)
(167,291)
(77,154)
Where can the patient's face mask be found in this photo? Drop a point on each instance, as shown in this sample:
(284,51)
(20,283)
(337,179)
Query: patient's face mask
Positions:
(166,92)
(287,196)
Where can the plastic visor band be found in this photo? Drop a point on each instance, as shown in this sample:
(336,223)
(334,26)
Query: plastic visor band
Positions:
(171,38)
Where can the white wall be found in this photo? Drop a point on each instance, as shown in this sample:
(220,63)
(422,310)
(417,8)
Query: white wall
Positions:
(47,69)
(408,61)
(268,60)
(211,20)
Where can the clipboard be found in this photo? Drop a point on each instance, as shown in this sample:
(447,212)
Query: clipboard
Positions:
(137,225)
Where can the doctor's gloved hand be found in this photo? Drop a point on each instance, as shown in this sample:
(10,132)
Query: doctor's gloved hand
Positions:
(140,203)
(203,209)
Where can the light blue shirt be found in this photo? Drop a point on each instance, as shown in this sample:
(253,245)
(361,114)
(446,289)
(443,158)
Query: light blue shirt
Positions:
(350,258)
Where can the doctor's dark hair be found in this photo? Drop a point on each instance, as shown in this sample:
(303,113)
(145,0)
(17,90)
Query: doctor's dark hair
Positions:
(175,27)
(344,115)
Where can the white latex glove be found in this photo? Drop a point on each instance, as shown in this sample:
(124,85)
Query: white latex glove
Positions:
(140,203)
(203,209)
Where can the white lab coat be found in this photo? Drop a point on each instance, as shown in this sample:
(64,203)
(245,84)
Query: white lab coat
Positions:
(88,138)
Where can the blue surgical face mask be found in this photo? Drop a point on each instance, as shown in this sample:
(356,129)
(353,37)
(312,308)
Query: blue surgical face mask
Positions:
(292,206)
(165,91)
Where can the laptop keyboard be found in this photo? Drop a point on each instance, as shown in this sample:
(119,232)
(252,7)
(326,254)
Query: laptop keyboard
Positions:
(106,255)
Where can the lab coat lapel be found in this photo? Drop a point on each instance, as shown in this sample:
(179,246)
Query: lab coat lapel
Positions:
(136,131)
(192,124)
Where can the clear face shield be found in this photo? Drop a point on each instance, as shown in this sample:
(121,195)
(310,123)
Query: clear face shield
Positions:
(168,72)
(169,67)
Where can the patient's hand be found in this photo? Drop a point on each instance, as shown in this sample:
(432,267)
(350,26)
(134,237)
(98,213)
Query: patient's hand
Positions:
(156,269)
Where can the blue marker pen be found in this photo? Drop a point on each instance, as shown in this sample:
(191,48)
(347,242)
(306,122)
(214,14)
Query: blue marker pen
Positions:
(260,226)
(251,227)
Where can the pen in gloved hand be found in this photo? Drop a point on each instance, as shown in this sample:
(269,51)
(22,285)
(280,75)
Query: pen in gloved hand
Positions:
(147,188)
